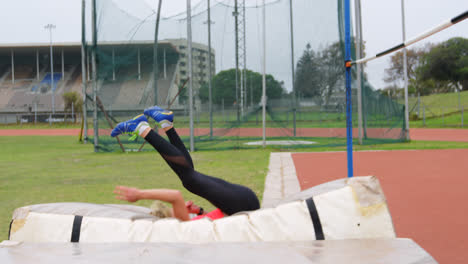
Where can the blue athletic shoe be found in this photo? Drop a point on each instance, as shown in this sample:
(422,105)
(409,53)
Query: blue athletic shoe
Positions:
(160,115)
(129,126)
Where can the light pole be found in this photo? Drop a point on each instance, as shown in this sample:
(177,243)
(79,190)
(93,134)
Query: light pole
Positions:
(50,27)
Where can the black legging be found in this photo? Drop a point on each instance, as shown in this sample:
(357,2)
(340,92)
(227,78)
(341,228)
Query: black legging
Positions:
(228,197)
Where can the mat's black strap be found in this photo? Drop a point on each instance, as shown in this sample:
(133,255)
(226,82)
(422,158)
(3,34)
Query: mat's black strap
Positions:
(9,230)
(315,219)
(76,229)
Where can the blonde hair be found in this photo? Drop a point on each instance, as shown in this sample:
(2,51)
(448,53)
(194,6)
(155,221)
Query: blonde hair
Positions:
(159,209)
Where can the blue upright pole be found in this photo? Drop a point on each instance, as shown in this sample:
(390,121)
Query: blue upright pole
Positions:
(349,123)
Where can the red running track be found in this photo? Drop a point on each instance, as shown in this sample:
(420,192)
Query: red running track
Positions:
(428,134)
(426,192)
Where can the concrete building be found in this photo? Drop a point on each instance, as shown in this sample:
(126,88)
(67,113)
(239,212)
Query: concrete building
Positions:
(200,66)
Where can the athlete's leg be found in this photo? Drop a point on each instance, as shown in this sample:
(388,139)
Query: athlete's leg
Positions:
(228,197)
(177,142)
(139,126)
(172,155)
(165,119)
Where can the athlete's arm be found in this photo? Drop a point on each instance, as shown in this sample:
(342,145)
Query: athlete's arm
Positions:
(166,195)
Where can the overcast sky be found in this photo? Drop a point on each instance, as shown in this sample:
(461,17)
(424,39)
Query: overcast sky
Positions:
(23,21)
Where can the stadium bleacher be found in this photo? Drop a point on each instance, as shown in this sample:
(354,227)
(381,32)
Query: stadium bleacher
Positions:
(109,92)
(131,93)
(24,72)
(74,75)
(48,81)
(26,90)
(5,96)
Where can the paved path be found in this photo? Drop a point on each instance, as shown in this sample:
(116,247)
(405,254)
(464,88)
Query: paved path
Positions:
(281,180)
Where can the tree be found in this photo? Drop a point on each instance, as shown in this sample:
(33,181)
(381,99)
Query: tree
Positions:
(447,62)
(224,87)
(332,70)
(318,73)
(394,74)
(416,82)
(307,76)
(75,100)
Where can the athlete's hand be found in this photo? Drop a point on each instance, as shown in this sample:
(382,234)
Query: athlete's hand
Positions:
(127,193)
(192,208)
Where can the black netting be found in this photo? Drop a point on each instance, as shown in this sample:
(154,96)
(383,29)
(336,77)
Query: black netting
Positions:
(307,112)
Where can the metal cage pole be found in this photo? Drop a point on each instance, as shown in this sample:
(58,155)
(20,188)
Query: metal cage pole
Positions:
(264,76)
(236,30)
(94,77)
(291,17)
(155,54)
(209,71)
(83,69)
(189,46)
(357,9)
(244,58)
(405,70)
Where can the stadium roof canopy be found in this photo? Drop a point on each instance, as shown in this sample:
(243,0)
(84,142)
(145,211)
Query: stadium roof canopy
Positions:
(5,49)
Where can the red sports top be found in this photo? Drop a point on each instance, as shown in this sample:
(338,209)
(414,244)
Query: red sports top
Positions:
(213,215)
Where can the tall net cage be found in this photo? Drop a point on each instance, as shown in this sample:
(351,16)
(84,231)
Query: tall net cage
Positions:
(304,65)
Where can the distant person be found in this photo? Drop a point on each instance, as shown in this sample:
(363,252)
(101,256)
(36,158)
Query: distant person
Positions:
(229,198)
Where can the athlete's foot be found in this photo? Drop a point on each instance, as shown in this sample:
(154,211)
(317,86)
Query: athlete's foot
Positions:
(163,117)
(135,126)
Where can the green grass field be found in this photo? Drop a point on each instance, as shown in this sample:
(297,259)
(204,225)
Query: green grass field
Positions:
(439,104)
(439,110)
(452,120)
(59,169)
